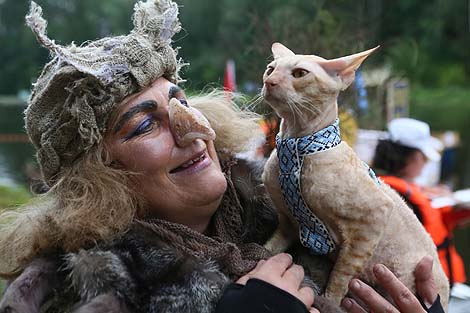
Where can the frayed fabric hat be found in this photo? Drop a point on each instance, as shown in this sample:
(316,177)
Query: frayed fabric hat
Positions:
(77,91)
(416,134)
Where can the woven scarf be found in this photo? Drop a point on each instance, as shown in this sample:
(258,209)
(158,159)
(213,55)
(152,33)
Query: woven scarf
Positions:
(224,244)
(291,152)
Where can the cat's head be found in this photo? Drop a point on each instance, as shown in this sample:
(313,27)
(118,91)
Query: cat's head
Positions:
(292,79)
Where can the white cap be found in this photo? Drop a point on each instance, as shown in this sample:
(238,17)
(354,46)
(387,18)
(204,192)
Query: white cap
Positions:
(412,133)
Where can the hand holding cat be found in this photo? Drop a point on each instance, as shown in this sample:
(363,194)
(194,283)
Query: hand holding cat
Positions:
(280,271)
(403,297)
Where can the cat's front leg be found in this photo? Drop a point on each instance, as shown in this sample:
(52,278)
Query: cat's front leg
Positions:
(287,231)
(284,236)
(347,266)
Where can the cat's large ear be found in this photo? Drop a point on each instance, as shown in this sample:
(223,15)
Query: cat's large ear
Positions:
(279,50)
(345,67)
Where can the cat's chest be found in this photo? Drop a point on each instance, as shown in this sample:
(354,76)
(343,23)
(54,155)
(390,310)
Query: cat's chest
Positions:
(327,180)
(331,167)
(321,172)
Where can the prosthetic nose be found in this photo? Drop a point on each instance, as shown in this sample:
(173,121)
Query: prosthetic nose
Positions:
(188,124)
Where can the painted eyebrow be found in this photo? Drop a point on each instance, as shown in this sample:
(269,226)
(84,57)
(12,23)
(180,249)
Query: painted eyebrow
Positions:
(141,107)
(173,91)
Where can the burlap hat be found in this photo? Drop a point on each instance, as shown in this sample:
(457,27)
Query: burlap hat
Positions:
(75,94)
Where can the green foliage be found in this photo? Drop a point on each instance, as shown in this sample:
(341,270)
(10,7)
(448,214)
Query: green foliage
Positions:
(451,74)
(444,108)
(447,109)
(69,20)
(425,40)
(428,40)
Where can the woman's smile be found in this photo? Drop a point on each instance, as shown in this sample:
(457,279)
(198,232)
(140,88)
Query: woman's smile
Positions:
(195,164)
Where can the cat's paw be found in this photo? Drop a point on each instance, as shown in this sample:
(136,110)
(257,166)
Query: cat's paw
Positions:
(278,243)
(275,246)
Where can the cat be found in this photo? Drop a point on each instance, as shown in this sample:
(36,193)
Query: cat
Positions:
(360,221)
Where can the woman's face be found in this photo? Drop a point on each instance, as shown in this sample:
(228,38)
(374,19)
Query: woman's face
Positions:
(180,184)
(414,165)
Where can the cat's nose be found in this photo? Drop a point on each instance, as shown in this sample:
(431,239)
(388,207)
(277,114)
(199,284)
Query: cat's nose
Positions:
(270,82)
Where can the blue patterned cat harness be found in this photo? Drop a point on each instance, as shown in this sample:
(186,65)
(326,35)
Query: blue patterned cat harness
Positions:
(291,152)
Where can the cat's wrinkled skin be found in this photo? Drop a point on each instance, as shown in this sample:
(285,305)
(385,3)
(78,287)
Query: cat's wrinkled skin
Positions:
(369,223)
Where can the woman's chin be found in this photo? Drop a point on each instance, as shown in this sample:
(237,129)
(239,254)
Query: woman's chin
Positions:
(214,185)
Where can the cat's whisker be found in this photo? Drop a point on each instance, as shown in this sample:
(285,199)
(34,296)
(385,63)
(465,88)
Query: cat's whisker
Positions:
(310,107)
(298,105)
(305,106)
(292,108)
(253,103)
(298,108)
(299,113)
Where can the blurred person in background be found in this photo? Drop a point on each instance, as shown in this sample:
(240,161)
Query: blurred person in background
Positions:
(399,160)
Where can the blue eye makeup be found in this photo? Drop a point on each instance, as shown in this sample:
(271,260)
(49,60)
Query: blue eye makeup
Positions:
(145,126)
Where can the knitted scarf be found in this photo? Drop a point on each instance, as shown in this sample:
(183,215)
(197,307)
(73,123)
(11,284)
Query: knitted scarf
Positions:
(224,243)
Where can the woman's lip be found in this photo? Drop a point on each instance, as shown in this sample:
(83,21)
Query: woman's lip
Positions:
(195,167)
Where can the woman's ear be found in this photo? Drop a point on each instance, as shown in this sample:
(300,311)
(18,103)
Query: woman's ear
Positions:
(345,67)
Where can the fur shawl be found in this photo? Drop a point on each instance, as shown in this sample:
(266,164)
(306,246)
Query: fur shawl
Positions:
(143,273)
(139,271)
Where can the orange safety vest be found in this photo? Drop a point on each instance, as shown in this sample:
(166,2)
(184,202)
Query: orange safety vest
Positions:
(433,221)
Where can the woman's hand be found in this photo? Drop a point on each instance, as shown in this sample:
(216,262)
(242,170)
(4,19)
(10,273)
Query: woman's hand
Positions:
(282,273)
(405,300)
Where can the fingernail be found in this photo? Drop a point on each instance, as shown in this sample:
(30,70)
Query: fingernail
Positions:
(290,256)
(379,269)
(347,304)
(356,284)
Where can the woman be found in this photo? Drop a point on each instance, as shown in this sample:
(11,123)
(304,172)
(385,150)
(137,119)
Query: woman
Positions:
(139,218)
(399,160)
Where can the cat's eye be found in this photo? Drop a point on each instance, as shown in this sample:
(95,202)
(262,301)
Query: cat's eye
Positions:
(297,73)
(269,70)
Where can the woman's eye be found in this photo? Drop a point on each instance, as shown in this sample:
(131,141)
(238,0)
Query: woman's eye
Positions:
(269,70)
(144,127)
(297,73)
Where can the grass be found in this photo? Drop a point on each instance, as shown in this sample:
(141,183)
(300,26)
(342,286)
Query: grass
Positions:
(11,197)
